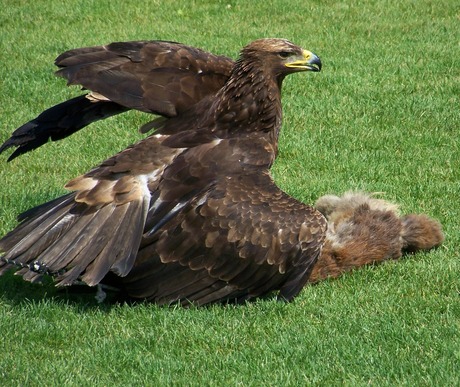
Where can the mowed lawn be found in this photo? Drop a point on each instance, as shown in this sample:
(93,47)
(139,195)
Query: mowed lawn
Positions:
(382,116)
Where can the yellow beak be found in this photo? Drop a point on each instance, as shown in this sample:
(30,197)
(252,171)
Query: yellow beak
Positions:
(308,62)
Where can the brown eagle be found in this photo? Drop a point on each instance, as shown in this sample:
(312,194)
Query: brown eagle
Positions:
(190,213)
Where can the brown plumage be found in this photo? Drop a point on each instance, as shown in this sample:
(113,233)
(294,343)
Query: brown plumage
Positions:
(364,230)
(159,77)
(191,212)
(167,78)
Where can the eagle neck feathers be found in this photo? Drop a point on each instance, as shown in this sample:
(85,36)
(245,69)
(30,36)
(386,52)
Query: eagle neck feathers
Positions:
(250,101)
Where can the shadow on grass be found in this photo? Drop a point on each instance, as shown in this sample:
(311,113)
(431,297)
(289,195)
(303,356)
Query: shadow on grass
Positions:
(18,292)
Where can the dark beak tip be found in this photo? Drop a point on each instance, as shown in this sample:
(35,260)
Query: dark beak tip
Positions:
(317,64)
(315,67)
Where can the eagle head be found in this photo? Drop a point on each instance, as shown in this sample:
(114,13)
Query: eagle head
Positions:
(281,56)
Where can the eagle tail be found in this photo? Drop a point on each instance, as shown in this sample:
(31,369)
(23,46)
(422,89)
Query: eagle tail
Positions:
(58,122)
(72,241)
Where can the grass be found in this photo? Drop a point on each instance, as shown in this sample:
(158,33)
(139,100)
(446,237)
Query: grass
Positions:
(382,116)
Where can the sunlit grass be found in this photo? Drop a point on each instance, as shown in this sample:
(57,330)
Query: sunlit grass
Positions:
(383,116)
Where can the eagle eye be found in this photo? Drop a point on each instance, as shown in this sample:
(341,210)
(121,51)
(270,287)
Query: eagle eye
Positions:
(284,54)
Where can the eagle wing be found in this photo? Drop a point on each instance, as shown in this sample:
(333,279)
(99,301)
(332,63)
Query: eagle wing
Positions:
(164,78)
(239,239)
(200,224)
(158,77)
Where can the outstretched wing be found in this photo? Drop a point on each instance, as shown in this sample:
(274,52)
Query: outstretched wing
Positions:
(97,228)
(157,77)
(240,239)
(200,224)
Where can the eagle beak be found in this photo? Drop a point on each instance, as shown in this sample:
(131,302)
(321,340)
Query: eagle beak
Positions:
(308,62)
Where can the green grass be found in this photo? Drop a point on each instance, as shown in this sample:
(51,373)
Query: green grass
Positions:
(382,116)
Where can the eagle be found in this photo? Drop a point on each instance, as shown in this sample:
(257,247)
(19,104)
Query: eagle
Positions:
(167,78)
(190,214)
